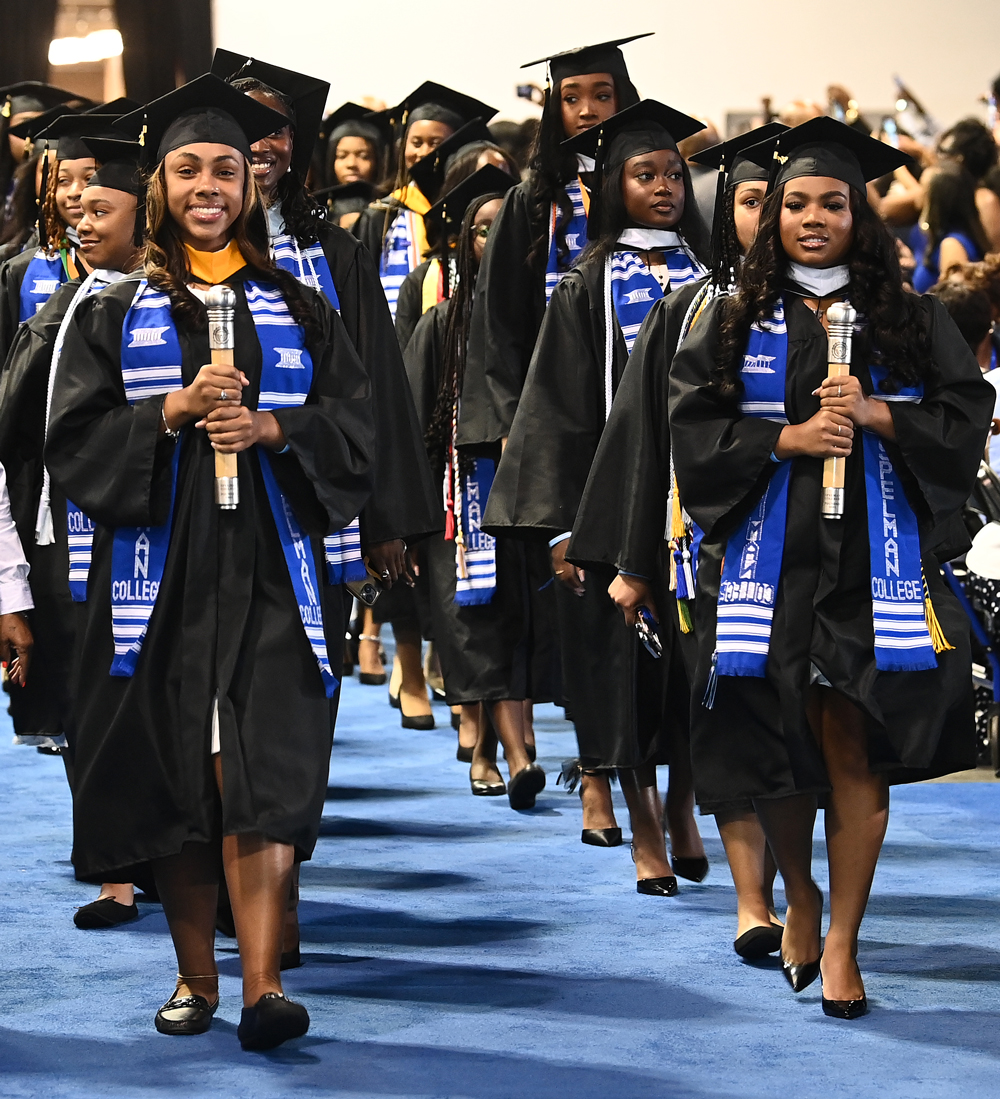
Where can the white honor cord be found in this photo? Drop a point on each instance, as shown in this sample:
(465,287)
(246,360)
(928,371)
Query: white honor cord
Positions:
(609,338)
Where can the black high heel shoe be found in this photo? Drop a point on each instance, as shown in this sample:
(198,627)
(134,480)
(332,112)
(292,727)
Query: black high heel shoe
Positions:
(482,787)
(802,976)
(272,1020)
(657,887)
(602,837)
(185,1015)
(845,1009)
(758,942)
(692,869)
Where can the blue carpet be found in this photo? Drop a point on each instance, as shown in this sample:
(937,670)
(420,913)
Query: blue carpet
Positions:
(455,948)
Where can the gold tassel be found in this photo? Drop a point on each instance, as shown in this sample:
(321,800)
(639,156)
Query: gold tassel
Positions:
(677,529)
(938,639)
(463,572)
(684,615)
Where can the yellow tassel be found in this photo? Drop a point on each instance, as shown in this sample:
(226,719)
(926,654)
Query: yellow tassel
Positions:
(684,615)
(677,530)
(673,567)
(463,572)
(938,639)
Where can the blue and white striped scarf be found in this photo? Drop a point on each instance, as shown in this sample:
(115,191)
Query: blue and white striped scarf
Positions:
(151,366)
(309,265)
(751,570)
(574,236)
(42,278)
(476,565)
(400,255)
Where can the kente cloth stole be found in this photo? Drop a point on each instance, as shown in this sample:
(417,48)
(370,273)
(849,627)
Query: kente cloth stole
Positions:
(751,570)
(151,366)
(405,243)
(574,235)
(309,265)
(42,278)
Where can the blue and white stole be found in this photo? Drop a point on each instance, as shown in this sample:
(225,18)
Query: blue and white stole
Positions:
(476,559)
(151,366)
(42,278)
(79,527)
(309,265)
(574,235)
(404,243)
(752,567)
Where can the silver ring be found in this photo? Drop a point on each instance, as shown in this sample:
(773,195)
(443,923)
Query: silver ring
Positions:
(222,395)
(385,574)
(840,391)
(838,429)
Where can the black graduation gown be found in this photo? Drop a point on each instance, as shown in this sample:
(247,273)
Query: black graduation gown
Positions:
(506,317)
(613,687)
(488,652)
(41,707)
(404,502)
(226,617)
(410,304)
(756,740)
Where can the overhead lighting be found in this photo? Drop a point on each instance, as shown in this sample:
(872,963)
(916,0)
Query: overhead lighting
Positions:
(96,46)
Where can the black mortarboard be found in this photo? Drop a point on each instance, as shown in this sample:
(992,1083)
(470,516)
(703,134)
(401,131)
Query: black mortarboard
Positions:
(728,156)
(349,197)
(604,57)
(119,164)
(826,147)
(642,128)
(32,127)
(33,95)
(353,120)
(206,109)
(464,107)
(447,212)
(429,172)
(117,107)
(67,132)
(306,94)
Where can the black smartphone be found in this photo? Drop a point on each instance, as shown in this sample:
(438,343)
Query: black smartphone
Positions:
(365,591)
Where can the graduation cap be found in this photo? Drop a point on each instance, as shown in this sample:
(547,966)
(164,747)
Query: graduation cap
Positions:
(206,109)
(352,197)
(305,94)
(31,128)
(353,120)
(643,128)
(33,95)
(826,147)
(117,107)
(604,57)
(428,173)
(67,132)
(429,94)
(447,213)
(119,164)
(744,158)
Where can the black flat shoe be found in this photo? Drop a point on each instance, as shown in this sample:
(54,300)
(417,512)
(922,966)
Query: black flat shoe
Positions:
(271,1021)
(291,959)
(657,887)
(464,755)
(692,869)
(371,680)
(800,976)
(102,913)
(482,788)
(525,786)
(602,837)
(845,1009)
(185,1015)
(422,721)
(758,942)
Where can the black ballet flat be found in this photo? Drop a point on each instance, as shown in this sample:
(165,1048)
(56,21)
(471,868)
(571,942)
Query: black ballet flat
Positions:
(370,679)
(103,913)
(525,786)
(271,1021)
(602,837)
(483,788)
(758,942)
(657,887)
(464,755)
(691,869)
(845,1009)
(422,721)
(185,1015)
(802,976)
(291,959)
